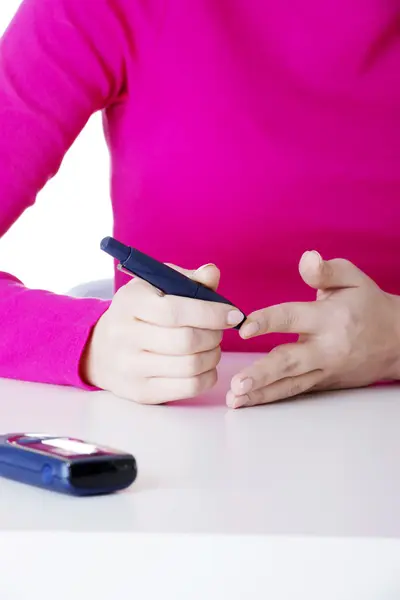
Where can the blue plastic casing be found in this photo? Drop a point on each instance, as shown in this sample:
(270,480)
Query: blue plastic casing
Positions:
(161,276)
(70,466)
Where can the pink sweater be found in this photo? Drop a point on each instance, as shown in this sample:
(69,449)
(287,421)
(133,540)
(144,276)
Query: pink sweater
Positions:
(241,132)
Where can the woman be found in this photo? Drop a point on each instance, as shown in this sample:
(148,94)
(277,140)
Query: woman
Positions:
(241,134)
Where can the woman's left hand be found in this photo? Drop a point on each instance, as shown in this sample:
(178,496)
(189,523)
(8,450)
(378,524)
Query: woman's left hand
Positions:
(349,337)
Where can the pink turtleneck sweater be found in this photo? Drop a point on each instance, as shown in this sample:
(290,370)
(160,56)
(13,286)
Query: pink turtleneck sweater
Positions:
(241,132)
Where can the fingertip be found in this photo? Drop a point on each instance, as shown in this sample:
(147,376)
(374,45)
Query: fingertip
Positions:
(230,397)
(241,384)
(234,318)
(311,259)
(209,275)
(242,335)
(249,329)
(233,401)
(310,267)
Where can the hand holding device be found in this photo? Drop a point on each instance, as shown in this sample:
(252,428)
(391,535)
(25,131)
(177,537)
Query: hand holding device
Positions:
(155,348)
(163,277)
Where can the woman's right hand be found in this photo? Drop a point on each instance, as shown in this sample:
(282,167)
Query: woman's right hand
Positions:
(153,348)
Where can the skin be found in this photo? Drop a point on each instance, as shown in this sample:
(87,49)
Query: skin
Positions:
(348,338)
(154,349)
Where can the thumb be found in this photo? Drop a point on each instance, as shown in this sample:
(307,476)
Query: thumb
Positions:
(329,274)
(209,275)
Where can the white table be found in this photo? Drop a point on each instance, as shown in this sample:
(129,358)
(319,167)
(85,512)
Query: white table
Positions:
(289,501)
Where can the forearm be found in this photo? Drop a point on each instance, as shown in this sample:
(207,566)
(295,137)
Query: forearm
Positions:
(43,335)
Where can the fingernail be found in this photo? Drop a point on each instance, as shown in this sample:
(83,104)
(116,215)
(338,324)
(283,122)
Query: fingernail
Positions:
(234,317)
(316,254)
(230,398)
(240,401)
(250,329)
(236,401)
(245,385)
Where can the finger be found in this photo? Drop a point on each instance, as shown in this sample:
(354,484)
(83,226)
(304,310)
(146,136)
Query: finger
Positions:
(280,390)
(178,341)
(159,390)
(141,300)
(209,275)
(287,360)
(192,365)
(291,317)
(174,311)
(329,274)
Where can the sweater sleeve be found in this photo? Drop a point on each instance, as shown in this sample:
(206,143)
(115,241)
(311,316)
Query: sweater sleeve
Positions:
(60,62)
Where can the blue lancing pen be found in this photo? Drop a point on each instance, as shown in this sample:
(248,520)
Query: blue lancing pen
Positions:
(159,275)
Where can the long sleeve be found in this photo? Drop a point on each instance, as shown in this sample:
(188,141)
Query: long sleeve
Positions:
(60,62)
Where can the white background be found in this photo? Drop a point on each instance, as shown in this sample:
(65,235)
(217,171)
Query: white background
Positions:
(72,213)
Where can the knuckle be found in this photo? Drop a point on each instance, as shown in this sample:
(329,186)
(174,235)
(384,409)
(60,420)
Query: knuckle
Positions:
(289,363)
(217,357)
(144,392)
(208,380)
(345,330)
(168,309)
(214,338)
(210,340)
(188,340)
(195,386)
(294,388)
(217,316)
(259,371)
(262,317)
(194,365)
(201,383)
(288,318)
(203,362)
(212,378)
(205,314)
(129,387)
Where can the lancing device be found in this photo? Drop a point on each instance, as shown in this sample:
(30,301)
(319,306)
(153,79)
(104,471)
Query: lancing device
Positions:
(159,275)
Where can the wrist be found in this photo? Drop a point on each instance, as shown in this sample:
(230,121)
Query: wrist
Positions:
(89,358)
(84,363)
